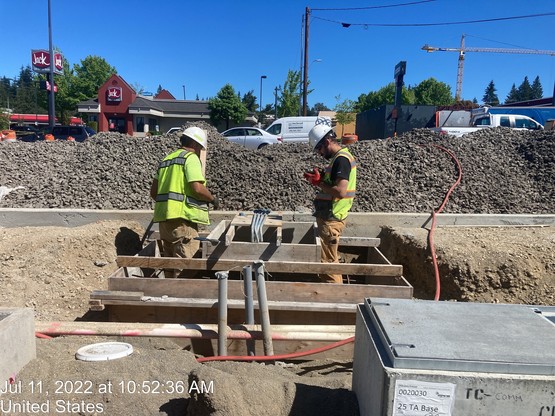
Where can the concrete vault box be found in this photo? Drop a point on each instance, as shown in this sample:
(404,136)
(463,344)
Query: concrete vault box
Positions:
(17,341)
(420,358)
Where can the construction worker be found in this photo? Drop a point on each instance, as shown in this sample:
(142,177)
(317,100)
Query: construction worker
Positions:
(181,197)
(337,184)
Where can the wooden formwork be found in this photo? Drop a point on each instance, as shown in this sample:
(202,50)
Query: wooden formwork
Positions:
(137,291)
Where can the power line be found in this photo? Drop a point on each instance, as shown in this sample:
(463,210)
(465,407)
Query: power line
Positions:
(381,7)
(345,24)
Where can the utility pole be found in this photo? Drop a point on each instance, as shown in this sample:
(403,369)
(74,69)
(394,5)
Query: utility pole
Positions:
(276,89)
(51,100)
(184,96)
(305,66)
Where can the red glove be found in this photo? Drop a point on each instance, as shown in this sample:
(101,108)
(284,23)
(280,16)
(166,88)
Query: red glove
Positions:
(313,178)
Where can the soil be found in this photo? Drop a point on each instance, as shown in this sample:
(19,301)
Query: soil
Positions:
(54,269)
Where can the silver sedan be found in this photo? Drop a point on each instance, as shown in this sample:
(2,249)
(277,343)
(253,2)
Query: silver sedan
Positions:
(251,137)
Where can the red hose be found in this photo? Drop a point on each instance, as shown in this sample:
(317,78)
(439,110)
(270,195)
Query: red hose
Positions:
(434,213)
(41,335)
(276,357)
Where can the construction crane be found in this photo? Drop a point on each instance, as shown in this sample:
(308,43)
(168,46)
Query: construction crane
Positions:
(462,50)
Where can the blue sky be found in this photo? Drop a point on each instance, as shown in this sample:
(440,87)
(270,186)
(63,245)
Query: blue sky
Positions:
(204,45)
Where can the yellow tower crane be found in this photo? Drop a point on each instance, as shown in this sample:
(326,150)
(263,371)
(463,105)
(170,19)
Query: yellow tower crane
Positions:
(462,50)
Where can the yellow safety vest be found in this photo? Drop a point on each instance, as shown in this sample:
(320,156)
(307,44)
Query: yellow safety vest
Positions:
(174,197)
(339,206)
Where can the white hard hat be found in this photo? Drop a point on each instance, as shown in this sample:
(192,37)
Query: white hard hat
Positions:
(197,134)
(317,133)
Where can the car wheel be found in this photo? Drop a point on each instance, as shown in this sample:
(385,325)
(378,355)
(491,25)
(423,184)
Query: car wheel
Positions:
(262,145)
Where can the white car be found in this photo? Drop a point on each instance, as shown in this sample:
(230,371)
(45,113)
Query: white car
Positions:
(251,137)
(174,130)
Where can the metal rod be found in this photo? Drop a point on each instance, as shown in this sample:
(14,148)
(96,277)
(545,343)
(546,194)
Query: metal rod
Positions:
(249,306)
(263,308)
(222,312)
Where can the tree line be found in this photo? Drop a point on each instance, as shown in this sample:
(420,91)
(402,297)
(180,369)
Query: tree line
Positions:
(81,82)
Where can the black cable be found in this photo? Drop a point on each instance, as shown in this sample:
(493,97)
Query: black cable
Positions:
(381,7)
(344,24)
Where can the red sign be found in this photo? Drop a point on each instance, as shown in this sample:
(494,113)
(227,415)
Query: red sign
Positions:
(40,60)
(114,94)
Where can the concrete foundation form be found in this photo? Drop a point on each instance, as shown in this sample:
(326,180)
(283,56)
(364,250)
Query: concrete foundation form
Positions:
(17,342)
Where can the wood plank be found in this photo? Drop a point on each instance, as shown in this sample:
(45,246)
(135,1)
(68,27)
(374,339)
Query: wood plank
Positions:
(231,304)
(359,241)
(216,264)
(116,295)
(267,251)
(276,291)
(229,235)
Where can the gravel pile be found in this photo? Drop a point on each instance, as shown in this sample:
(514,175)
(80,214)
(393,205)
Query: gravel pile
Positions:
(503,171)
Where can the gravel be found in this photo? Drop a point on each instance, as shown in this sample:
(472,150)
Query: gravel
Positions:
(503,171)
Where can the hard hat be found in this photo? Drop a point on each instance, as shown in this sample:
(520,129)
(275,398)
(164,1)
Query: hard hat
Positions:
(197,134)
(317,133)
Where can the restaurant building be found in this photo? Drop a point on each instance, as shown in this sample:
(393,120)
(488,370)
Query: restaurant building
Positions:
(119,108)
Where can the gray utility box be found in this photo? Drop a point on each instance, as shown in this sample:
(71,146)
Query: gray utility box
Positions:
(426,358)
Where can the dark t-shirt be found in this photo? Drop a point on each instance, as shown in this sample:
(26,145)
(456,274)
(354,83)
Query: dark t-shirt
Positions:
(341,169)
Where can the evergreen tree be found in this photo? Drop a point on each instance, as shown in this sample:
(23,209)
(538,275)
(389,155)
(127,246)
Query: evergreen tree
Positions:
(525,90)
(490,95)
(226,107)
(512,97)
(24,100)
(537,90)
(249,100)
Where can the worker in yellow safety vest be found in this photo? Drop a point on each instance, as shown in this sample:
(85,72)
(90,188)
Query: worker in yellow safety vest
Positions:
(337,187)
(182,198)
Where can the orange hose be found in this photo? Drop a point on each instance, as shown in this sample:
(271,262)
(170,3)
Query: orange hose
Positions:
(434,213)
(276,357)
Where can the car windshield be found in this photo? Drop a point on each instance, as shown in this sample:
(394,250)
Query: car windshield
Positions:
(275,129)
(90,131)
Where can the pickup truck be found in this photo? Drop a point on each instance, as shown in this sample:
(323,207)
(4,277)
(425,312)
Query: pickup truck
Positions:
(486,120)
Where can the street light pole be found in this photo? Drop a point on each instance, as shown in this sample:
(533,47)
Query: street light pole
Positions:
(260,101)
(275,101)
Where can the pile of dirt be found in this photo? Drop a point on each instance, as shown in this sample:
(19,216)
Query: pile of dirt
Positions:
(503,171)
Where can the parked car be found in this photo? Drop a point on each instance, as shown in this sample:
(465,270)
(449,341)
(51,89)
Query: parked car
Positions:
(251,137)
(79,133)
(174,130)
(28,133)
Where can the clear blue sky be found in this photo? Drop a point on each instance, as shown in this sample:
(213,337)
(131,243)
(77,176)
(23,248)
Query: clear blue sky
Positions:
(206,44)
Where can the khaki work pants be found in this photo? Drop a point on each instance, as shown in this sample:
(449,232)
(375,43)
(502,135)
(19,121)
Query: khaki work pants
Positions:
(177,237)
(330,231)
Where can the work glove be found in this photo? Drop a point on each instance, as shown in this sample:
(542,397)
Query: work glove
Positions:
(216,203)
(313,177)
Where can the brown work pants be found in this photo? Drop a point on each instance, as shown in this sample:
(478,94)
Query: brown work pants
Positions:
(177,237)
(330,231)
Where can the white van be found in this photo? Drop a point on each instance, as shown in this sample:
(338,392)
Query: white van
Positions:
(295,129)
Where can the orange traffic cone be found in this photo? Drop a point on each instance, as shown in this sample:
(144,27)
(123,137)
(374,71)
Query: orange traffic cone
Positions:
(70,138)
(49,137)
